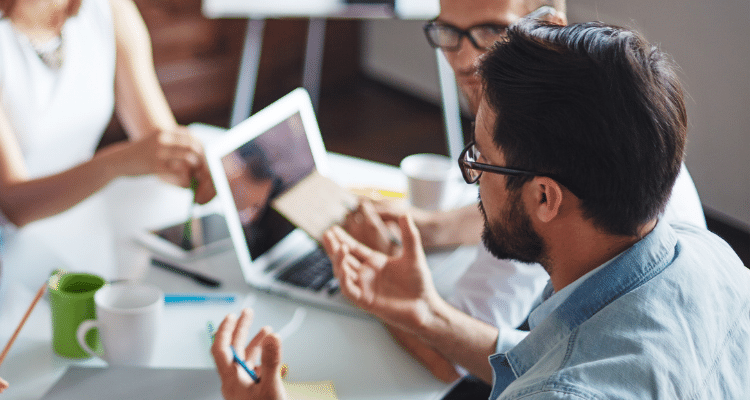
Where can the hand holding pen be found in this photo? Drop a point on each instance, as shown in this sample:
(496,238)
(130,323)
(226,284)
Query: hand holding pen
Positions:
(367,226)
(236,377)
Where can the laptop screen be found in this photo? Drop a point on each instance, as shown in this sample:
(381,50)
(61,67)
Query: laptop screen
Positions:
(260,170)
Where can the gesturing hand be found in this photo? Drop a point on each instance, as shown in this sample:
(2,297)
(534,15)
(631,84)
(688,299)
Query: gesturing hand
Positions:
(235,381)
(366,226)
(398,290)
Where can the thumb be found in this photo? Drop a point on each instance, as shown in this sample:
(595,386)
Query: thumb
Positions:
(270,363)
(412,243)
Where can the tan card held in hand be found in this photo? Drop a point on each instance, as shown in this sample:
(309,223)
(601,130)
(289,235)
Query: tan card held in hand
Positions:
(315,204)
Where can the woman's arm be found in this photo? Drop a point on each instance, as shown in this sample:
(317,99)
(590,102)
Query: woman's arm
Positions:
(143,110)
(24,200)
(139,101)
(159,145)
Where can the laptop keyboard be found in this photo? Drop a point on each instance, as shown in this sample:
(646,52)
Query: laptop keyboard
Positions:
(313,271)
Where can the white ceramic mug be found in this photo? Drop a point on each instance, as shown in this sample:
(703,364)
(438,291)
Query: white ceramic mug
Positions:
(128,318)
(428,177)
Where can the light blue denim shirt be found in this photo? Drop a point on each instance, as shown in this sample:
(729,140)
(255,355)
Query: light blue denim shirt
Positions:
(668,318)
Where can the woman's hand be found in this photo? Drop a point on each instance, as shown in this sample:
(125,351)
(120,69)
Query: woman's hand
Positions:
(171,154)
(175,155)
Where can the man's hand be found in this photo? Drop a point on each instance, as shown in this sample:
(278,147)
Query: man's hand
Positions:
(399,290)
(365,225)
(438,229)
(235,381)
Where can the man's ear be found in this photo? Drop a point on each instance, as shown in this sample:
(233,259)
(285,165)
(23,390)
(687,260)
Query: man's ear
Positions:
(547,197)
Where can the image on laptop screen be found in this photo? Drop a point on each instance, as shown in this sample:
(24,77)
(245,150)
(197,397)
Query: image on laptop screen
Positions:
(260,170)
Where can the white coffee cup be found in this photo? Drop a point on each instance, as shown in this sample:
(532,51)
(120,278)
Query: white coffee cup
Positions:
(128,318)
(428,176)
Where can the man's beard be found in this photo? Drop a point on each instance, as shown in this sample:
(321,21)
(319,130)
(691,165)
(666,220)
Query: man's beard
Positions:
(513,237)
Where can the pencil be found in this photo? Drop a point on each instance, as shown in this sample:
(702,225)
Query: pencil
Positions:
(187,227)
(244,366)
(23,321)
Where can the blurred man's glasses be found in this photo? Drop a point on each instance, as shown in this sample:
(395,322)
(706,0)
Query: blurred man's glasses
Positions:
(448,37)
(482,37)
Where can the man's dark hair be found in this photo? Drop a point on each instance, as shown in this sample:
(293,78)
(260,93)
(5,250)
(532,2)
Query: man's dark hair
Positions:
(596,105)
(257,162)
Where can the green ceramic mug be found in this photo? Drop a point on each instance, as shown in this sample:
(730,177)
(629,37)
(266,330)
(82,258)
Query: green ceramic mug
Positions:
(71,298)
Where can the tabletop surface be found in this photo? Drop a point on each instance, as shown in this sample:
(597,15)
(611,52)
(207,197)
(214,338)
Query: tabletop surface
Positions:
(355,352)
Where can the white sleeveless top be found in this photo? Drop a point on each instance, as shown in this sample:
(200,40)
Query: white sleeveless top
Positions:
(59,115)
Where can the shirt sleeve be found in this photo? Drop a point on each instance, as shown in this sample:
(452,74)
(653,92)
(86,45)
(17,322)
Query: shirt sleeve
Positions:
(499,292)
(548,395)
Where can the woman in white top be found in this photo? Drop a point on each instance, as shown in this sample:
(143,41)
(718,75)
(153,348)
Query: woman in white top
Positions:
(65,65)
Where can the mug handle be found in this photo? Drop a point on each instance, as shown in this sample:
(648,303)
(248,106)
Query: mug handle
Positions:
(83,329)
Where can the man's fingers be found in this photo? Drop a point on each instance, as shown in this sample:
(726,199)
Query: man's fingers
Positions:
(390,216)
(241,328)
(330,243)
(388,209)
(345,265)
(222,339)
(341,236)
(358,249)
(253,348)
(411,240)
(368,211)
(270,365)
(347,275)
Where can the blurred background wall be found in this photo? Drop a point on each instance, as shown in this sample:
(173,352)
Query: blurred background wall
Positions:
(708,41)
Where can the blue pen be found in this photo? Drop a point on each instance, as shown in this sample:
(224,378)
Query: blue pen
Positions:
(179,298)
(238,360)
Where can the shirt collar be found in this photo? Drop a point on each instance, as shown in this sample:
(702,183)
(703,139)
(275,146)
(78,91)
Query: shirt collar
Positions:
(631,269)
(551,299)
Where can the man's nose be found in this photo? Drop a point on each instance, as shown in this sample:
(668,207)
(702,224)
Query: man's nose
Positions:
(466,57)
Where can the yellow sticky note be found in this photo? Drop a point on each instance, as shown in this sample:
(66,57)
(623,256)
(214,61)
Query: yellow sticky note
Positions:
(377,194)
(322,390)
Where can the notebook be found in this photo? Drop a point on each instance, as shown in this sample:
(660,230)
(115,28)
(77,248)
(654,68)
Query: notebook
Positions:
(258,161)
(141,383)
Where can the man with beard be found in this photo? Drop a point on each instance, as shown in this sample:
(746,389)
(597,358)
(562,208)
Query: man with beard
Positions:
(636,307)
(498,291)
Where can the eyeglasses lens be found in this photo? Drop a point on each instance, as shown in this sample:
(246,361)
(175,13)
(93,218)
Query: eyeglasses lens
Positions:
(449,38)
(443,36)
(486,36)
(470,155)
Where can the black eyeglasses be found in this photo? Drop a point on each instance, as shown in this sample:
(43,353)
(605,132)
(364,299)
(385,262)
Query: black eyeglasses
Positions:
(482,36)
(472,170)
(448,37)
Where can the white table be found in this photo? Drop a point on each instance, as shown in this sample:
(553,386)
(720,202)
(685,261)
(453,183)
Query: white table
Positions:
(356,353)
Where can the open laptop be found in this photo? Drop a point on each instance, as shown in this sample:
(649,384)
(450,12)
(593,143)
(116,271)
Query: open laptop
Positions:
(255,162)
